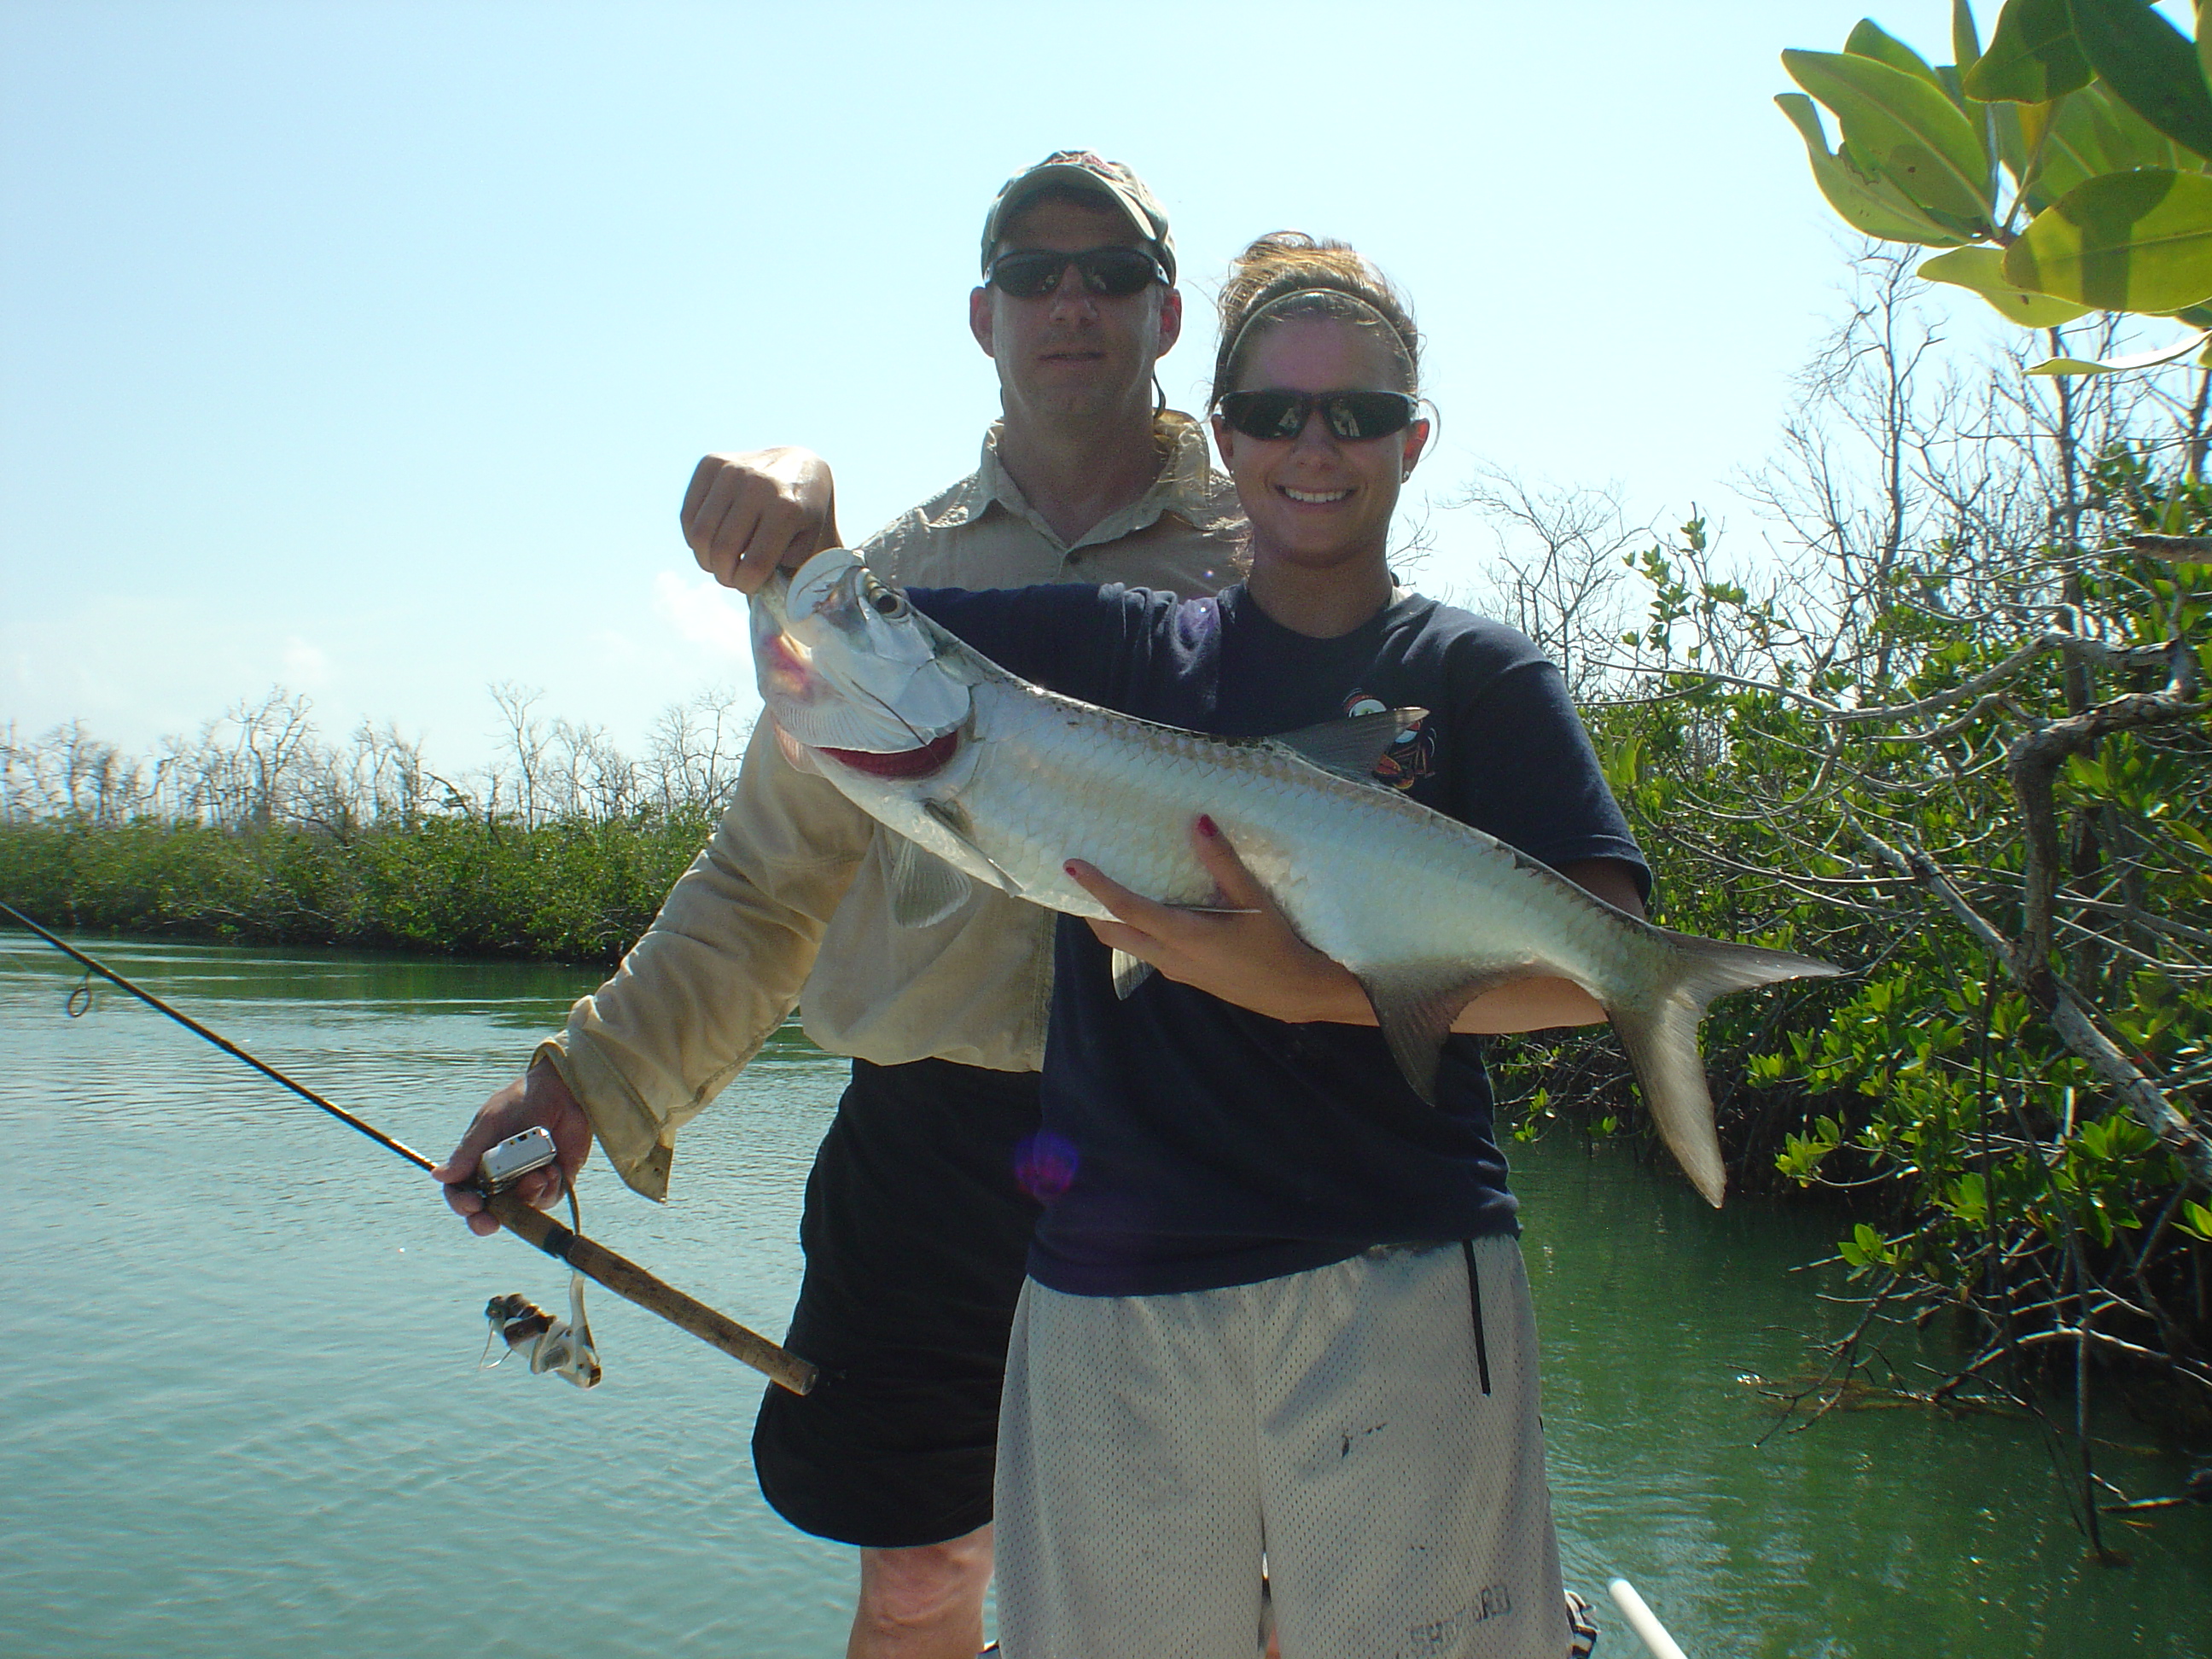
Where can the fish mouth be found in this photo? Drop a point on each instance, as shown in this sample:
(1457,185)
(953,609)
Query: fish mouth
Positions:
(846,669)
(932,757)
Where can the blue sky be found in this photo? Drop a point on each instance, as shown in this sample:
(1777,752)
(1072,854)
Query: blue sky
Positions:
(367,348)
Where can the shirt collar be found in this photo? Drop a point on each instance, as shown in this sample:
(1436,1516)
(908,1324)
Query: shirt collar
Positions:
(1186,486)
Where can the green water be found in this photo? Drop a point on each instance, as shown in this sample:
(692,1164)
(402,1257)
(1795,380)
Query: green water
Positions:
(243,1414)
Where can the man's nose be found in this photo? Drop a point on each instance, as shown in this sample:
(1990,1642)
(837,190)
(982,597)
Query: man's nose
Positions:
(1071,298)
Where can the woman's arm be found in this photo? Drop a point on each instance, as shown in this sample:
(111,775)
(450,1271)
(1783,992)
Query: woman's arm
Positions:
(1251,957)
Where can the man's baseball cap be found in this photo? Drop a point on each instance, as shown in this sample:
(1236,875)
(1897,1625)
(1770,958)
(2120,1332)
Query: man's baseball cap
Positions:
(1080,170)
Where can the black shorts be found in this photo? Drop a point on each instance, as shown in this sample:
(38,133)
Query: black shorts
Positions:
(917,1238)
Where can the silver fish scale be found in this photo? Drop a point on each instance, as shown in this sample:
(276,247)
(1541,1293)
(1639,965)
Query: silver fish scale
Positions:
(1366,875)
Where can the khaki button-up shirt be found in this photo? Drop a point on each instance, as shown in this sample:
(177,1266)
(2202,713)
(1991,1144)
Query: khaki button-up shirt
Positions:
(789,904)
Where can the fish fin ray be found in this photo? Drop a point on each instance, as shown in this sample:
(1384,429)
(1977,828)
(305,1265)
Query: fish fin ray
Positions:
(1718,966)
(949,817)
(924,888)
(1415,1005)
(1129,972)
(1662,1045)
(1661,1039)
(1351,746)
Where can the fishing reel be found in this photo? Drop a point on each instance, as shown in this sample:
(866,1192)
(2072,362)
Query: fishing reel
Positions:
(561,1346)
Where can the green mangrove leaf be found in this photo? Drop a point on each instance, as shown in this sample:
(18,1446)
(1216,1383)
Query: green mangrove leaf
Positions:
(2129,141)
(1904,130)
(2032,58)
(1982,270)
(2126,241)
(1965,39)
(2195,1220)
(1866,204)
(1969,1199)
(2121,365)
(2149,66)
(1870,40)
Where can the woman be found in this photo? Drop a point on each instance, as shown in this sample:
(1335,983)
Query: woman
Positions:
(1275,1303)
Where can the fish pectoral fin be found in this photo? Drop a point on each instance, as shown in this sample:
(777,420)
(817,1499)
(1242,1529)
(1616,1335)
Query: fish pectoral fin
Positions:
(950,817)
(924,888)
(1415,1004)
(1129,972)
(1350,747)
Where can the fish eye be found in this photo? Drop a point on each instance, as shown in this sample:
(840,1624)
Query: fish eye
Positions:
(886,602)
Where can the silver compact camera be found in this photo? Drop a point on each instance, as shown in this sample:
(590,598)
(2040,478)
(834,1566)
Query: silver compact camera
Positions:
(514,1157)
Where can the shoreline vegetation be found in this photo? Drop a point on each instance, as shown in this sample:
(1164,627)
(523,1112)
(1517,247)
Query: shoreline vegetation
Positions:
(1948,731)
(258,831)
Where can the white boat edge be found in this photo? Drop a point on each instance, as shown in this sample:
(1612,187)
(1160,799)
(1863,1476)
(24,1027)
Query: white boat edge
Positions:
(1645,1622)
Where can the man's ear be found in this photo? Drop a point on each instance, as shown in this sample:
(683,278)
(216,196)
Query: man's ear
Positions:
(979,318)
(1224,439)
(1170,320)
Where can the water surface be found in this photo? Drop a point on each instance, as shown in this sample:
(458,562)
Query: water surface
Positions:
(242,1417)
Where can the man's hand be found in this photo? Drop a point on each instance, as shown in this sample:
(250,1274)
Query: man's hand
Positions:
(539,1098)
(1253,957)
(747,515)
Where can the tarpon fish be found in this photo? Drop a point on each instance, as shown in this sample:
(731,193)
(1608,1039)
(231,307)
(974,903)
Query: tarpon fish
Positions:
(986,778)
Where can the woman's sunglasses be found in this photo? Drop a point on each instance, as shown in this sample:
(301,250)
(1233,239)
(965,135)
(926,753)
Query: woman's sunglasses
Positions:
(1351,415)
(1032,273)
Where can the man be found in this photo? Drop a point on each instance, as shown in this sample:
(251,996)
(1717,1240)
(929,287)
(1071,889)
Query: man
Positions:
(916,1226)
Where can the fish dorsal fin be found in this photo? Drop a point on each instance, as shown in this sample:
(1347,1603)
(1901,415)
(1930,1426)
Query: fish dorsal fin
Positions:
(1416,1003)
(925,889)
(1129,972)
(1350,747)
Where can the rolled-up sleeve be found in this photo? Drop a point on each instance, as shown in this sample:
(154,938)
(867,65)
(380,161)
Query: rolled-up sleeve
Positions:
(719,969)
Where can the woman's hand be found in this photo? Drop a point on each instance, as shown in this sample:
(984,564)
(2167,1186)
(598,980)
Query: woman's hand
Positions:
(1245,951)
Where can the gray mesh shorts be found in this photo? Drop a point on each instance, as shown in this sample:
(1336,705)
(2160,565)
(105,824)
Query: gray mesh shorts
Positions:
(1371,1427)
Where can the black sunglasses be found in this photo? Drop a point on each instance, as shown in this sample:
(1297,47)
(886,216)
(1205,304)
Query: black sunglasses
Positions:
(1352,415)
(1032,273)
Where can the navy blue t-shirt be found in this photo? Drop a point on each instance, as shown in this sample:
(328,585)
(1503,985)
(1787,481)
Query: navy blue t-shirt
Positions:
(1190,1144)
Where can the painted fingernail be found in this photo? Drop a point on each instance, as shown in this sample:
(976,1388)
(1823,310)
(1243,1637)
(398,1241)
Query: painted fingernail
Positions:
(1072,867)
(1207,827)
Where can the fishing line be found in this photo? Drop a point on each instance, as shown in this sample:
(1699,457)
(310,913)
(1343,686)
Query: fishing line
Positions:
(77,1010)
(587,1256)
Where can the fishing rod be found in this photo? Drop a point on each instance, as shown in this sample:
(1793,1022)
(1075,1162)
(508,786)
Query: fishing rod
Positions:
(595,1261)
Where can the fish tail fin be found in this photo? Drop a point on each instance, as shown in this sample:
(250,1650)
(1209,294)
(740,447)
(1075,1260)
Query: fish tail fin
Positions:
(1661,1037)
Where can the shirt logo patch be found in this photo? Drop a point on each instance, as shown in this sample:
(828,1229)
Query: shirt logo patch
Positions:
(1411,757)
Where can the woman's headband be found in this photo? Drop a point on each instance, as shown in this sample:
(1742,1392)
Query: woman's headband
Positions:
(1283,301)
